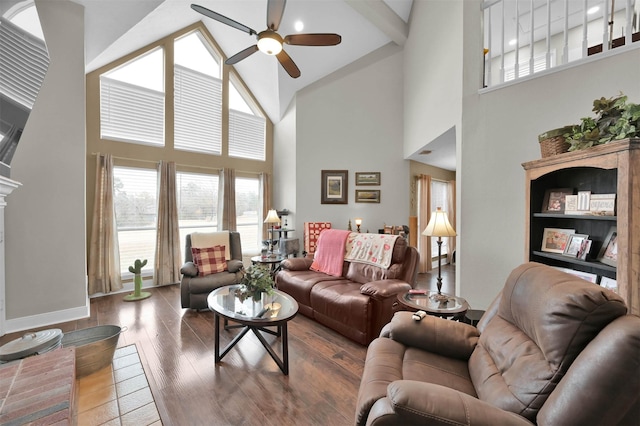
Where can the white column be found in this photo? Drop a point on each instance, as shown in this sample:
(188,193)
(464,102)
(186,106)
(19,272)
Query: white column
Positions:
(6,187)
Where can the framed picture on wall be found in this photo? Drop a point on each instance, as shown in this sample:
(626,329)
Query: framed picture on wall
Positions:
(334,186)
(367,178)
(367,196)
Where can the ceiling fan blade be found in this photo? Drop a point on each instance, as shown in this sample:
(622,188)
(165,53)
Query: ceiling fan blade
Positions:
(221,18)
(242,55)
(321,39)
(287,63)
(275,10)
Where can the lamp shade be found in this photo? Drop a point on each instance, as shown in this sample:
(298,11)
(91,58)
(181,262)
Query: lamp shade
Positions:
(272,217)
(439,225)
(358,221)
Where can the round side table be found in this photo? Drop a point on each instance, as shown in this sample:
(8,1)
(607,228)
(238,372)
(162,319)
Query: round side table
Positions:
(452,307)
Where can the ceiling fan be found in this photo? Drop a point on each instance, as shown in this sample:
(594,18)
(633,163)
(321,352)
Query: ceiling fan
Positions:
(269,41)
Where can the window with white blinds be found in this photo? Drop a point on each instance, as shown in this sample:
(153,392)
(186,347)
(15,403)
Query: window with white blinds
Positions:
(197,198)
(197,111)
(23,63)
(131,113)
(246,136)
(136,205)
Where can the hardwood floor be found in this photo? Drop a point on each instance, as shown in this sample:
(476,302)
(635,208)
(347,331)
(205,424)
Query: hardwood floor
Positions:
(247,387)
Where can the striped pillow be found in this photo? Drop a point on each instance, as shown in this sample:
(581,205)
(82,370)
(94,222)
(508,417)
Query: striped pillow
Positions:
(209,260)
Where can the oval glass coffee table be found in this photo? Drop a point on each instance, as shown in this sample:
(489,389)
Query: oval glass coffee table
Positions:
(250,316)
(448,307)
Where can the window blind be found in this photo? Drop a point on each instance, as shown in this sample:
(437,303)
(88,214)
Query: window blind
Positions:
(131,113)
(23,63)
(246,136)
(198,111)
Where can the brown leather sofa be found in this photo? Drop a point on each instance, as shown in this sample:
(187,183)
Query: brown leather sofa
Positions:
(195,289)
(357,304)
(551,349)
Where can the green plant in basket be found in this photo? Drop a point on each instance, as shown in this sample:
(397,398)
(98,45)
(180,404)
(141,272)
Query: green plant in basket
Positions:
(615,119)
(256,279)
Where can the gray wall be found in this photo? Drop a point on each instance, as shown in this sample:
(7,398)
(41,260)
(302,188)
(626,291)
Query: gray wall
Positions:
(351,120)
(45,218)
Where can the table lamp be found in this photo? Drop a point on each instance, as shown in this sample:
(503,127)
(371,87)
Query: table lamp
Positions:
(358,223)
(272,218)
(439,226)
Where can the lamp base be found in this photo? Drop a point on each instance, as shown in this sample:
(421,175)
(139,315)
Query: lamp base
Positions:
(439,297)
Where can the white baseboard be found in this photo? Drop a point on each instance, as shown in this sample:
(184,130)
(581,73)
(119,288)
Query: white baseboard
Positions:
(42,320)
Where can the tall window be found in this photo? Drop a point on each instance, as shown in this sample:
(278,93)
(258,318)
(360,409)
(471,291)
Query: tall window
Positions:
(439,198)
(246,127)
(132,100)
(198,96)
(136,205)
(247,208)
(197,197)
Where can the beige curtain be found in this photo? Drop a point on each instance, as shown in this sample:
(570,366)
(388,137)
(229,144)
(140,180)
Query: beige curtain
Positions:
(227,200)
(265,183)
(451,213)
(104,257)
(166,269)
(424,213)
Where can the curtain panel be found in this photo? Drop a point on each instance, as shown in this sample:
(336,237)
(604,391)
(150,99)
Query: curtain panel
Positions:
(166,269)
(227,200)
(265,183)
(451,212)
(104,257)
(424,213)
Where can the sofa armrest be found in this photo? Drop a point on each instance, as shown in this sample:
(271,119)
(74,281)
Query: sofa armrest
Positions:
(234,265)
(297,263)
(413,402)
(437,335)
(189,269)
(382,289)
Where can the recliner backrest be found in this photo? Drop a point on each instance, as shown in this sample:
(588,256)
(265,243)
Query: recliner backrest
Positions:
(235,247)
(543,319)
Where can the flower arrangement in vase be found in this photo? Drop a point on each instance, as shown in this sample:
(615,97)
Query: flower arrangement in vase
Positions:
(256,279)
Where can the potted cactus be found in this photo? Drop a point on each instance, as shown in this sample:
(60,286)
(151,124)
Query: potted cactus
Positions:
(137,294)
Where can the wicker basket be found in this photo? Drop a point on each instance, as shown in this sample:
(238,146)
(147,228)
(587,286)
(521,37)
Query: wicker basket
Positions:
(553,142)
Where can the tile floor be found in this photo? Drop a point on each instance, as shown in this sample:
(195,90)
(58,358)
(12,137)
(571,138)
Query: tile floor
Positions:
(118,394)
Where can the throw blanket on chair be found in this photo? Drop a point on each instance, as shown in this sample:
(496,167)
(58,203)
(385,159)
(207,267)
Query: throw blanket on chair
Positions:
(373,249)
(210,239)
(329,254)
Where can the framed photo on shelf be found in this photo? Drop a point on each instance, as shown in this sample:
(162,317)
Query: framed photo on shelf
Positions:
(554,200)
(555,240)
(574,244)
(609,283)
(592,278)
(367,178)
(585,249)
(609,251)
(334,187)
(367,196)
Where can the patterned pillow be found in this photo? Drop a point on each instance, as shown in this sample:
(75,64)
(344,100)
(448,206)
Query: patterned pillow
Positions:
(209,260)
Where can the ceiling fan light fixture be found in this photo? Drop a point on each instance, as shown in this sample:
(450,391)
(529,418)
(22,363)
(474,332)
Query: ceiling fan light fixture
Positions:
(269,42)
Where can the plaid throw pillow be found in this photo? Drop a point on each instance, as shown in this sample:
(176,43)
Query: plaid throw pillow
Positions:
(209,260)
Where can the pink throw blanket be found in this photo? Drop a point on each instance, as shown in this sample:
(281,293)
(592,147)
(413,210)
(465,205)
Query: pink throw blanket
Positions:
(329,254)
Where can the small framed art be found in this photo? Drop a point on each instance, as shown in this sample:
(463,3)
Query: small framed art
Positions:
(609,251)
(554,200)
(334,186)
(609,283)
(574,244)
(555,240)
(367,196)
(367,178)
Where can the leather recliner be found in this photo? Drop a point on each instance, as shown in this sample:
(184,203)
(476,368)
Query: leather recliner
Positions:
(195,289)
(552,349)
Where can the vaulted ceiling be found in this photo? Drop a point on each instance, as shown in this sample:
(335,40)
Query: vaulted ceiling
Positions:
(117,27)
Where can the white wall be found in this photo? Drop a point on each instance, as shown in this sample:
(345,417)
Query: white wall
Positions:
(284,182)
(353,120)
(45,218)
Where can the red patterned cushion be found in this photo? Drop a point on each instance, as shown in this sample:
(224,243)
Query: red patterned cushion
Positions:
(209,260)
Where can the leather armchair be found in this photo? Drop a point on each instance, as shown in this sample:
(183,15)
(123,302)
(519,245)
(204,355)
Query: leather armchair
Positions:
(551,349)
(195,289)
